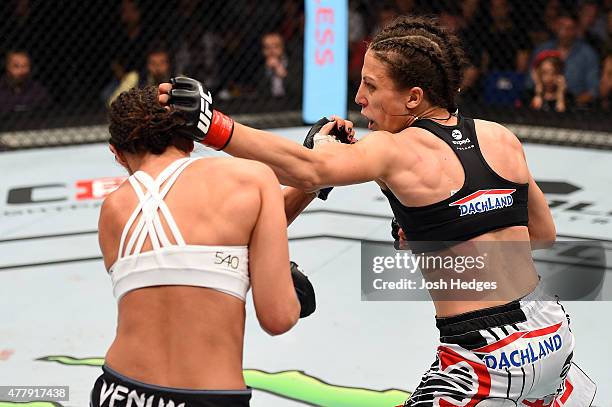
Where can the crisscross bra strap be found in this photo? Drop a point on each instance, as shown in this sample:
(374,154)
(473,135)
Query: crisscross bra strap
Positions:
(151,203)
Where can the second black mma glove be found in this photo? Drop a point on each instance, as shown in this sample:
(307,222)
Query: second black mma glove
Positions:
(398,242)
(304,290)
(204,124)
(341,136)
(395,227)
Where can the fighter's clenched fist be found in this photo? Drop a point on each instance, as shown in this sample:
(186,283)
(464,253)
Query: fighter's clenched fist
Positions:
(204,124)
(329,131)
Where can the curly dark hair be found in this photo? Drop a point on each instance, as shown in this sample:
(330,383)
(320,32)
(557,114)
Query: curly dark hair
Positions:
(138,123)
(419,52)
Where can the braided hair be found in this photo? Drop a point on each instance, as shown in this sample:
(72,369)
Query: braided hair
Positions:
(138,123)
(418,52)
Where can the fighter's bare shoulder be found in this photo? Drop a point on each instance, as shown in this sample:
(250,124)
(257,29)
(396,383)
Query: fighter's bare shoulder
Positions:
(232,169)
(379,138)
(500,133)
(413,132)
(377,134)
(380,144)
(117,198)
(113,204)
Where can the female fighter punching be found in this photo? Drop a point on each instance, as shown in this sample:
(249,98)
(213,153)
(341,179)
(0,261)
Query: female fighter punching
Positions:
(183,241)
(448,178)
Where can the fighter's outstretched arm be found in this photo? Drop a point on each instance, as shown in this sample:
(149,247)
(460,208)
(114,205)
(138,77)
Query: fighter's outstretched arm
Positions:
(294,165)
(310,170)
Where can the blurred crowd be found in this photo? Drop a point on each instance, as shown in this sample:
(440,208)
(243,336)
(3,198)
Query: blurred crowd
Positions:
(544,55)
(81,55)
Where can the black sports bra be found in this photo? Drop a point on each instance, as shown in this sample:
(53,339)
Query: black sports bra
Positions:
(485,202)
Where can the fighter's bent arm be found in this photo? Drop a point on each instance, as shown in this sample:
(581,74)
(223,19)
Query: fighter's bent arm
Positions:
(541,226)
(542,231)
(296,201)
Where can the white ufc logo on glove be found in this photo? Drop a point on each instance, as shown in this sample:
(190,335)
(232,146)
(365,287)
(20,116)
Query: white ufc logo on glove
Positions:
(206,115)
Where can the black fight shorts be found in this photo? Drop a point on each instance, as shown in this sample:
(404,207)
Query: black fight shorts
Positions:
(112,388)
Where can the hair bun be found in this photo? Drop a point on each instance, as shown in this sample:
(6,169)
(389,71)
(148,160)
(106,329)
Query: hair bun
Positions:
(138,123)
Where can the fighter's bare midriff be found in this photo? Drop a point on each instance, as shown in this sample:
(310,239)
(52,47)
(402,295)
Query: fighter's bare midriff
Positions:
(180,337)
(508,264)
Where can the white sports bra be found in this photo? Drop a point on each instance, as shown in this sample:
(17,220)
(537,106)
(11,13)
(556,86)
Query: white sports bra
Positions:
(222,268)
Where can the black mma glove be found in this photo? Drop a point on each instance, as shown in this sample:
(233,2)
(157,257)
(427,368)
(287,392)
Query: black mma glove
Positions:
(204,124)
(395,227)
(341,135)
(398,242)
(304,290)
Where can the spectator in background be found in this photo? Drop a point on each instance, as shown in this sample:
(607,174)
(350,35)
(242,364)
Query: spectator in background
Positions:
(199,55)
(544,30)
(18,91)
(605,85)
(199,52)
(456,24)
(591,24)
(274,79)
(358,48)
(131,41)
(158,70)
(292,24)
(242,45)
(293,36)
(513,55)
(132,38)
(469,10)
(580,59)
(471,30)
(607,46)
(550,90)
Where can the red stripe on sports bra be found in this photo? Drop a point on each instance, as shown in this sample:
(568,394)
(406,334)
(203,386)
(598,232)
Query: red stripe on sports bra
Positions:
(469,197)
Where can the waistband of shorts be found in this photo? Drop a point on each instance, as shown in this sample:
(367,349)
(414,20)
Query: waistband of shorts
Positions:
(511,313)
(109,371)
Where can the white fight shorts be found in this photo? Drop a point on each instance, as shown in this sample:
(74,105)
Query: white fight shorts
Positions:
(518,354)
